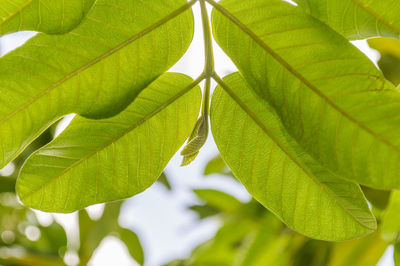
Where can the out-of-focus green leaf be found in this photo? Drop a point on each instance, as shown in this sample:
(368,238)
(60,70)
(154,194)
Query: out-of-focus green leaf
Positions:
(330,97)
(131,240)
(95,161)
(7,184)
(362,252)
(218,199)
(96,70)
(49,16)
(357,19)
(385,46)
(216,166)
(391,220)
(163,179)
(378,198)
(204,211)
(278,173)
(396,254)
(389,62)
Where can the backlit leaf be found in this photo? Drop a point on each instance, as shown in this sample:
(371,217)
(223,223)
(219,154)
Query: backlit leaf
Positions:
(96,70)
(357,19)
(49,16)
(278,173)
(330,97)
(95,161)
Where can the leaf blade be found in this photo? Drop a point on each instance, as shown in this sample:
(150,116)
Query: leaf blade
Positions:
(240,113)
(330,97)
(49,16)
(95,70)
(357,19)
(134,148)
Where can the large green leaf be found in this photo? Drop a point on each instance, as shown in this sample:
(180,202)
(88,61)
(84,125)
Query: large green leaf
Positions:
(357,19)
(330,97)
(49,16)
(95,70)
(278,173)
(96,161)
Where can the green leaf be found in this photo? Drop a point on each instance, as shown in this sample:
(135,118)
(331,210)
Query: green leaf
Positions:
(218,199)
(396,254)
(278,173)
(357,19)
(49,16)
(95,70)
(216,166)
(330,97)
(389,61)
(132,242)
(361,252)
(391,219)
(95,161)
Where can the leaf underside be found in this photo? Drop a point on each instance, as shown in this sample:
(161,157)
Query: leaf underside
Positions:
(278,173)
(330,97)
(48,16)
(95,161)
(357,19)
(96,70)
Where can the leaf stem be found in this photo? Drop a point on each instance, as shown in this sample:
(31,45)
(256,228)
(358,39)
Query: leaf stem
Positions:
(209,58)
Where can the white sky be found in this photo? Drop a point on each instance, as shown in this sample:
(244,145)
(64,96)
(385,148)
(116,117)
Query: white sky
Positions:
(160,218)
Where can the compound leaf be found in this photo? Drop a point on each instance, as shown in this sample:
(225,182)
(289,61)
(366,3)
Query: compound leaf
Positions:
(95,161)
(278,173)
(330,97)
(95,70)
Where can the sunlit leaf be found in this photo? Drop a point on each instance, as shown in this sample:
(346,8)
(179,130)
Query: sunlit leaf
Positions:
(96,161)
(278,173)
(330,97)
(357,19)
(96,70)
(49,16)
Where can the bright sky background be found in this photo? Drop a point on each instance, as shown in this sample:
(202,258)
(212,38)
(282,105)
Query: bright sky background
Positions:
(160,217)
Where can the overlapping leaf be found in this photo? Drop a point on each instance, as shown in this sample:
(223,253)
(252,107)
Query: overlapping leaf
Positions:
(95,70)
(278,173)
(330,97)
(95,161)
(49,16)
(357,19)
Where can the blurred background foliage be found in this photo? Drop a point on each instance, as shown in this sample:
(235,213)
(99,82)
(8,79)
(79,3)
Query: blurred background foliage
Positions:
(24,241)
(249,235)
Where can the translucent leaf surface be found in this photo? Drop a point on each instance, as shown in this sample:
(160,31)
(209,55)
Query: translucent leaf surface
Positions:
(49,16)
(96,161)
(95,70)
(278,173)
(330,97)
(358,19)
